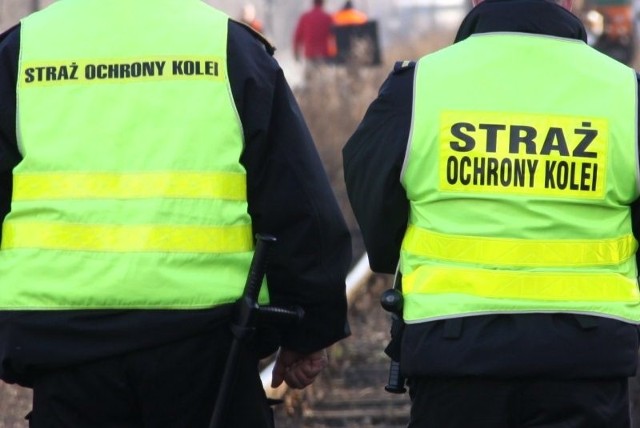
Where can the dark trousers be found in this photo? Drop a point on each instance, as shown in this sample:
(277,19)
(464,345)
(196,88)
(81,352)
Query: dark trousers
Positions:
(172,386)
(484,403)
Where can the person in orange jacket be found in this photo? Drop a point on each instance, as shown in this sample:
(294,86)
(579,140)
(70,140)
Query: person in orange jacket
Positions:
(349,15)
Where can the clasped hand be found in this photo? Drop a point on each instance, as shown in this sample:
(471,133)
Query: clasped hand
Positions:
(298,370)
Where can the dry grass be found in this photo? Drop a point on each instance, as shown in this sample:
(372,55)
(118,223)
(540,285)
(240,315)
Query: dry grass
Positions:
(334,100)
(15,403)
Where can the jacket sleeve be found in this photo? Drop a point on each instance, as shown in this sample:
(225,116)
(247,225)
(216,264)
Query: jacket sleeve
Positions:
(9,155)
(290,197)
(373,158)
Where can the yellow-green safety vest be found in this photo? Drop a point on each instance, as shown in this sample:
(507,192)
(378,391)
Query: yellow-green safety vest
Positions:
(520,174)
(130,193)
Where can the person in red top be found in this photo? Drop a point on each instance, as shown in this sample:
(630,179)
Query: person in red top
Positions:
(313,35)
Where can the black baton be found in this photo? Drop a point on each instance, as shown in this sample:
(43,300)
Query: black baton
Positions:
(243,325)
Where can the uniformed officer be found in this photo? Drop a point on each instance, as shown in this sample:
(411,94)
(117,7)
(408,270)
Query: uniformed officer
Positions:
(502,174)
(142,145)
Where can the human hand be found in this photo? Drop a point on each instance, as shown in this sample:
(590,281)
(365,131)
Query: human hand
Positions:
(296,369)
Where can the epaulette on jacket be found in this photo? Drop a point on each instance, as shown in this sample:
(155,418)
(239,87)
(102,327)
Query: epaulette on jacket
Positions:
(267,44)
(401,66)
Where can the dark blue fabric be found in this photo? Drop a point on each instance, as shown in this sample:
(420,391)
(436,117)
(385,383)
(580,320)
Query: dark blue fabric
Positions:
(175,385)
(522,16)
(519,403)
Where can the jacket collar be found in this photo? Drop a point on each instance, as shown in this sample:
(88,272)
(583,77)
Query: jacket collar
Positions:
(522,16)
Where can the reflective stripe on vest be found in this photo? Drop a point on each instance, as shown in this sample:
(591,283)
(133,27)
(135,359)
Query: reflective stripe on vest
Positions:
(130,193)
(509,252)
(182,184)
(519,195)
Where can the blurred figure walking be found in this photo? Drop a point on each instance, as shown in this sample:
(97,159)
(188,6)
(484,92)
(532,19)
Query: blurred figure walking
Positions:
(356,38)
(313,36)
(349,15)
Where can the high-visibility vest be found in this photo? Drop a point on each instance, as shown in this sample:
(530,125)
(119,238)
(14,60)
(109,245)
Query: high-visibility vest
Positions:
(521,167)
(130,193)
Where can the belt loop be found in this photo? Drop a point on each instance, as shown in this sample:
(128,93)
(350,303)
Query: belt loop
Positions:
(587,322)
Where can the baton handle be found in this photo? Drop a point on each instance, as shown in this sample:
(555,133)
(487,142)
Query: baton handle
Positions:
(242,326)
(396,380)
(393,302)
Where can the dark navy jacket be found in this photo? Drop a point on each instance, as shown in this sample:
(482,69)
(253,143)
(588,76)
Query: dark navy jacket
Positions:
(504,346)
(289,197)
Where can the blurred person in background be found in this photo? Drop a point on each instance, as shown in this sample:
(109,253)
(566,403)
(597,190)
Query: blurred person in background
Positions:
(312,38)
(248,16)
(356,38)
(501,175)
(147,150)
(349,15)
